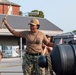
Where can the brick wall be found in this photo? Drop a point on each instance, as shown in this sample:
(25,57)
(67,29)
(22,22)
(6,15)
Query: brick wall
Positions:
(16,10)
(1,7)
(4,9)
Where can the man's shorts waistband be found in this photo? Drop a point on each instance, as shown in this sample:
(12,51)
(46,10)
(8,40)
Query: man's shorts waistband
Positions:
(34,54)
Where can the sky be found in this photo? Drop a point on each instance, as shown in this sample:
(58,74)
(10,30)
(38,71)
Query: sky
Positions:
(62,13)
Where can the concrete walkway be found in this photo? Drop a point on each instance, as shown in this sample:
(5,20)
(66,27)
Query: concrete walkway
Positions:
(11,66)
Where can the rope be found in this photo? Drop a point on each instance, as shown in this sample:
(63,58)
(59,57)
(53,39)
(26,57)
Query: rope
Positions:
(6,16)
(49,64)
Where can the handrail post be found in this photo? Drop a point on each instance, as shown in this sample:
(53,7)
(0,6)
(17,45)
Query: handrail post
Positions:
(21,47)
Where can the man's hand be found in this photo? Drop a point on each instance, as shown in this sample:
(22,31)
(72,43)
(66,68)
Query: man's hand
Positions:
(5,21)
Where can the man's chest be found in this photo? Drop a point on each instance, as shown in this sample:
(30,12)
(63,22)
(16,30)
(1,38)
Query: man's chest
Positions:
(34,39)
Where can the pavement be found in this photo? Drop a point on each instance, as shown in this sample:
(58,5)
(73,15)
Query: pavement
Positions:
(11,66)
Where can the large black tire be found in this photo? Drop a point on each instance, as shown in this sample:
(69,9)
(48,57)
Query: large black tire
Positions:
(64,59)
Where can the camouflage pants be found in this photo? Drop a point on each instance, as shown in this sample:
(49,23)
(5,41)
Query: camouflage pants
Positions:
(30,65)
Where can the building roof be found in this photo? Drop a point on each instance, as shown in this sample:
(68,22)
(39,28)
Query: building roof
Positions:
(67,34)
(21,22)
(8,2)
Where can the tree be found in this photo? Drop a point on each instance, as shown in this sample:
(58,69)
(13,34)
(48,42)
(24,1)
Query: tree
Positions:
(20,13)
(74,31)
(41,14)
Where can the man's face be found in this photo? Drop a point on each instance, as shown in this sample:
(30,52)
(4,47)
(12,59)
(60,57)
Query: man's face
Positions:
(49,39)
(33,28)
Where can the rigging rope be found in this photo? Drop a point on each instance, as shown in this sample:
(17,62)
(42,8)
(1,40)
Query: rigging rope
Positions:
(7,14)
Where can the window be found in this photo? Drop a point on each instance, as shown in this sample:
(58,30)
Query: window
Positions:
(8,51)
(15,51)
(11,51)
(0,47)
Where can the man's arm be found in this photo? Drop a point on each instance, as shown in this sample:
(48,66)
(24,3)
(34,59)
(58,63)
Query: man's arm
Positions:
(50,44)
(10,28)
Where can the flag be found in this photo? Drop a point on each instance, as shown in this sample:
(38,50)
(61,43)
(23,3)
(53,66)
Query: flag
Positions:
(61,41)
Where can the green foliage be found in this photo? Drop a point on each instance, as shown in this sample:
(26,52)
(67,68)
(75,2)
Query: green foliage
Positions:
(41,14)
(74,31)
(20,13)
